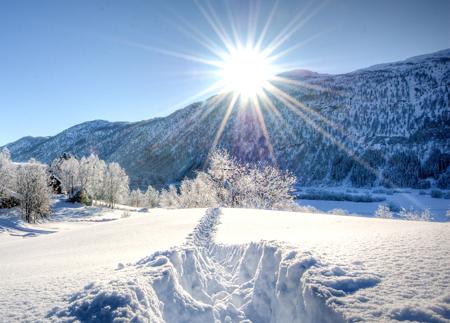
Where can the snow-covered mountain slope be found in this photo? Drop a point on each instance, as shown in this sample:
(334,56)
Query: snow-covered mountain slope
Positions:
(387,124)
(235,265)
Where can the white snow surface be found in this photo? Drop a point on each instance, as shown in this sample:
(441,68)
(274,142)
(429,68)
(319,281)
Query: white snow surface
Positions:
(40,264)
(235,265)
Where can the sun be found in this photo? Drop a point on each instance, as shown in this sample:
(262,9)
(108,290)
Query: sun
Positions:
(245,72)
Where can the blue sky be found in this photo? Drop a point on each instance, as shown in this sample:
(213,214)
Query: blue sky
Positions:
(66,62)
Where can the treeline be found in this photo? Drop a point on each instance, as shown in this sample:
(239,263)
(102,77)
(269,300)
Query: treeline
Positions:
(226,183)
(401,169)
(90,178)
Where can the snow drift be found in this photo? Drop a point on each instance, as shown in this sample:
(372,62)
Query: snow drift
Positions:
(203,281)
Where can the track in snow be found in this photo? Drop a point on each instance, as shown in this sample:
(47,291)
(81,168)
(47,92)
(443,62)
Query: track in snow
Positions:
(202,281)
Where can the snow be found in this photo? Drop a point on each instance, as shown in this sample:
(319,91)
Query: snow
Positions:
(408,199)
(235,265)
(42,263)
(410,259)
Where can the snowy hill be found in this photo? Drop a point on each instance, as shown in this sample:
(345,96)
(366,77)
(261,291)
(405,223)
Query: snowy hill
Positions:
(235,265)
(392,119)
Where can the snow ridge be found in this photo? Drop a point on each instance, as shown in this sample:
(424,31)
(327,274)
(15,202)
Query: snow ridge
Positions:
(203,281)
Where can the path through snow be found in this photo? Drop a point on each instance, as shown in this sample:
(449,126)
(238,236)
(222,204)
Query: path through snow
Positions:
(203,281)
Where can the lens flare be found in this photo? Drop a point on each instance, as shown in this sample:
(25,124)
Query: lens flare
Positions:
(245,72)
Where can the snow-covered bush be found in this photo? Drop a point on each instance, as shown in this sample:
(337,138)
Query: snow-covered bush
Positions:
(338,212)
(32,186)
(414,215)
(301,208)
(383,211)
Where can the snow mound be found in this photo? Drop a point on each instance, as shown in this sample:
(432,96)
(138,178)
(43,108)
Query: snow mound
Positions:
(203,281)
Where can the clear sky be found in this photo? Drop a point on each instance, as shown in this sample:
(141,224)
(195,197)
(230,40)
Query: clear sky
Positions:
(66,62)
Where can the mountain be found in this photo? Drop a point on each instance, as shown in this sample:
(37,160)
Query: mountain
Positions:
(387,124)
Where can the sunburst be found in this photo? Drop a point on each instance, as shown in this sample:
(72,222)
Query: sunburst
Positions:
(247,73)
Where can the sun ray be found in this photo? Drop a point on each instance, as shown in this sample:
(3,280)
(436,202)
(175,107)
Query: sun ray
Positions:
(265,29)
(303,84)
(195,34)
(199,95)
(307,109)
(224,121)
(212,19)
(280,95)
(283,53)
(232,23)
(291,28)
(185,56)
(262,124)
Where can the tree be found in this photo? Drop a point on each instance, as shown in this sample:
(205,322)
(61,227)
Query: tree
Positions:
(151,197)
(32,185)
(67,169)
(383,211)
(115,185)
(198,192)
(92,174)
(136,198)
(249,186)
(6,174)
(229,183)
(169,198)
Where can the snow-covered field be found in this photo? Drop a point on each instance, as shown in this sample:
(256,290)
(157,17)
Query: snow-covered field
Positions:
(230,265)
(409,199)
(40,264)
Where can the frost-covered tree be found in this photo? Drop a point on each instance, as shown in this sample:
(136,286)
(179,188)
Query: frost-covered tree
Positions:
(115,185)
(265,187)
(198,192)
(151,197)
(7,173)
(250,185)
(32,186)
(67,169)
(169,198)
(414,215)
(383,211)
(229,183)
(91,176)
(136,198)
(224,171)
